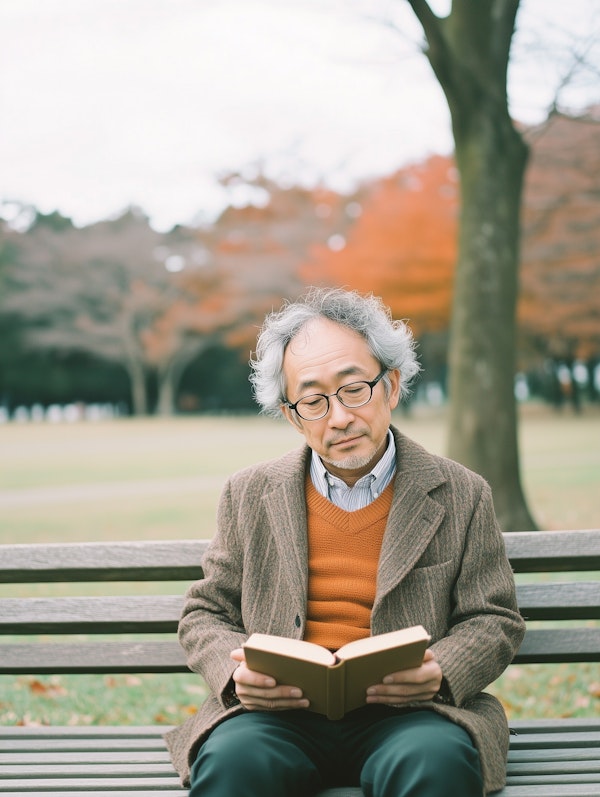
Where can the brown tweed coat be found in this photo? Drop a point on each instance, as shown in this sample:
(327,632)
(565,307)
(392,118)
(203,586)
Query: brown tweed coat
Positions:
(442,565)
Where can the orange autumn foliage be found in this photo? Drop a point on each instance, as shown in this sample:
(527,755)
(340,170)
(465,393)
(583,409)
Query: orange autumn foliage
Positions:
(402,246)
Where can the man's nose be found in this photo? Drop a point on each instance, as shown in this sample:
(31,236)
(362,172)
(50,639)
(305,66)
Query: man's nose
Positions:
(339,415)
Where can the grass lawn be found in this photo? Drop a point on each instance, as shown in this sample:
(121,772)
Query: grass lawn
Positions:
(158,479)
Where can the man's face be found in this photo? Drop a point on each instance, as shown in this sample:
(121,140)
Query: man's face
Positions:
(323,357)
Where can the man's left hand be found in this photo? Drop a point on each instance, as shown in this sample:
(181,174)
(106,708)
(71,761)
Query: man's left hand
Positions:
(408,686)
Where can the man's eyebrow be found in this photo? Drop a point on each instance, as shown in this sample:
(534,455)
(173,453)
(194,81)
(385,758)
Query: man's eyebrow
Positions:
(351,370)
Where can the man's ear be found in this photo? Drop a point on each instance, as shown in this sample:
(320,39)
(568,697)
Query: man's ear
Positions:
(291,417)
(395,382)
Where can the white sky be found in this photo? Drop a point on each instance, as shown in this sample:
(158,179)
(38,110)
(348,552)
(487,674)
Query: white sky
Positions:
(107,103)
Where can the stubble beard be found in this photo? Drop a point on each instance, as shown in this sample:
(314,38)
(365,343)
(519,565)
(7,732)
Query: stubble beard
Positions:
(351,462)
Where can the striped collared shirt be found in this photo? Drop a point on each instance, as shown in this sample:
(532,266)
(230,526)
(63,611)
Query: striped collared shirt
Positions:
(366,489)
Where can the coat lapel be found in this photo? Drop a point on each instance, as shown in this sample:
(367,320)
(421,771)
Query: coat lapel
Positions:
(414,516)
(285,505)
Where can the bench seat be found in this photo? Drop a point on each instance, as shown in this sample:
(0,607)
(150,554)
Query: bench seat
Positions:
(548,758)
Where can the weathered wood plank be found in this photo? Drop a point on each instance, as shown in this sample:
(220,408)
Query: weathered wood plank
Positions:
(160,613)
(533,551)
(146,560)
(548,768)
(555,725)
(539,645)
(86,757)
(546,741)
(109,783)
(91,615)
(140,733)
(76,792)
(548,646)
(38,658)
(76,769)
(527,780)
(540,755)
(553,551)
(573,600)
(556,790)
(24,744)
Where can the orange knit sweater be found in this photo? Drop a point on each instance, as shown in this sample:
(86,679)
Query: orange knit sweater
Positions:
(343,554)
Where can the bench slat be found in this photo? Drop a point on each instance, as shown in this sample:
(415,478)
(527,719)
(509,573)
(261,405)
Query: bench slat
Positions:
(553,551)
(556,645)
(92,615)
(33,768)
(36,785)
(73,769)
(76,792)
(161,613)
(39,658)
(541,755)
(147,560)
(590,765)
(54,758)
(573,600)
(79,746)
(92,657)
(556,790)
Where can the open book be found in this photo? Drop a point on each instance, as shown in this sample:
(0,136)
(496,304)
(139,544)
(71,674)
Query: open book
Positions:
(336,683)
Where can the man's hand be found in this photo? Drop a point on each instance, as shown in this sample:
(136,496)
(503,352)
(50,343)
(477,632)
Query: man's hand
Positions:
(407,686)
(257,692)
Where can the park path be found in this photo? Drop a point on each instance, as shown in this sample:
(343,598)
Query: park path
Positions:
(98,491)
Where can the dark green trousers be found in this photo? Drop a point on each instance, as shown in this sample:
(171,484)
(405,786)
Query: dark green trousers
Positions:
(298,753)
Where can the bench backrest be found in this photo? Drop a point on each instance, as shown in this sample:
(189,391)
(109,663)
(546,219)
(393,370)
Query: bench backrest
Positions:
(142,627)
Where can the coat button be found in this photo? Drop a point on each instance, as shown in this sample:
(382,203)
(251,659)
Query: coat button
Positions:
(298,621)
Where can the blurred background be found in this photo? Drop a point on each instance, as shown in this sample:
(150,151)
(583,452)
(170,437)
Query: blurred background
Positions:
(170,171)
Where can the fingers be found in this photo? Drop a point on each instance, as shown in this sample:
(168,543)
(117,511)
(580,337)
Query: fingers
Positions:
(407,686)
(258,692)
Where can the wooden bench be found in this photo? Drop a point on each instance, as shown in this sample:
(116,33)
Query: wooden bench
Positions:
(548,758)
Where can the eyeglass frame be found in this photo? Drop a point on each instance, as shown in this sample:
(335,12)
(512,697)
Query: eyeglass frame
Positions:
(328,396)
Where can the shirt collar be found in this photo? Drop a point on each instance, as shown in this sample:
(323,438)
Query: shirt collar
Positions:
(378,478)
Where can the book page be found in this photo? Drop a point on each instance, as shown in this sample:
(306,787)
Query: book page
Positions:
(297,648)
(393,639)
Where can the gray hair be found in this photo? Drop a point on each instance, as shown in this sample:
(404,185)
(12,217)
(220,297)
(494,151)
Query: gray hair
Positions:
(391,342)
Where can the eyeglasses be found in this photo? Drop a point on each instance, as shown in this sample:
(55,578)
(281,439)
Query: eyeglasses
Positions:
(352,395)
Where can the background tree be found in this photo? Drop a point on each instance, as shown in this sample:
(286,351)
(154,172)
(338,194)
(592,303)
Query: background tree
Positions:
(119,291)
(469,53)
(559,303)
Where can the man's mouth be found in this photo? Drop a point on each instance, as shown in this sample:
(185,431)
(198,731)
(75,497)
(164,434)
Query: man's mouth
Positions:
(346,441)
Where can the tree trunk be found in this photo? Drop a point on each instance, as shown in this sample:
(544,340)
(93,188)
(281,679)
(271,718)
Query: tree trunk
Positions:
(167,392)
(483,418)
(469,53)
(139,393)
(171,372)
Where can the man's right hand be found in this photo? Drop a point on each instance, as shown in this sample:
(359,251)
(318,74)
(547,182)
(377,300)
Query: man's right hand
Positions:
(258,692)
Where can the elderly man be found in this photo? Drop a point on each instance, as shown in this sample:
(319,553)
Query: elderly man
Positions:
(359,532)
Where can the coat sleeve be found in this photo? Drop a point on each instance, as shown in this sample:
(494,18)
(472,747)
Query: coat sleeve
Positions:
(211,622)
(485,628)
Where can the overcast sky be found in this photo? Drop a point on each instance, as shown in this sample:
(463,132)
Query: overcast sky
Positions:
(107,103)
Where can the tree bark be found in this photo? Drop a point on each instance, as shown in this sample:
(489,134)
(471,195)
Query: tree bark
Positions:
(139,393)
(469,52)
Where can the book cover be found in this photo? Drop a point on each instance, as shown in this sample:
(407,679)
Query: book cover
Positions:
(336,683)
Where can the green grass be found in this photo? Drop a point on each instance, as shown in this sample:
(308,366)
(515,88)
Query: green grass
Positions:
(99,699)
(154,479)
